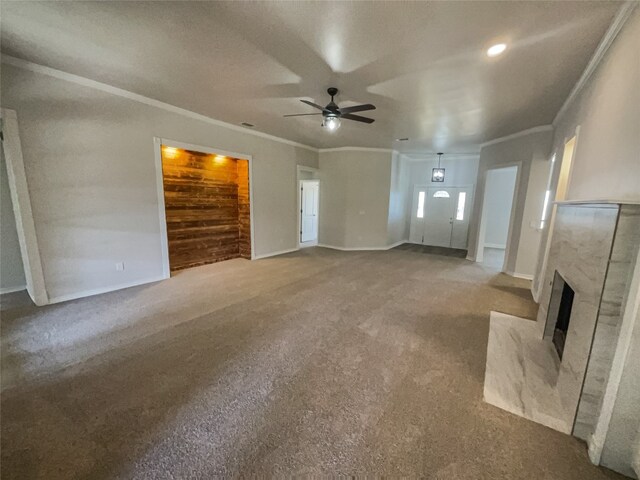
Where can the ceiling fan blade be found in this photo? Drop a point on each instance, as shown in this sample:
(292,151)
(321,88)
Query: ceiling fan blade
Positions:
(301,114)
(357,118)
(312,104)
(357,108)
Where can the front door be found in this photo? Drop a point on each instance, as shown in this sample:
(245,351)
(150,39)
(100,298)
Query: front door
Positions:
(309,191)
(439,210)
(440,216)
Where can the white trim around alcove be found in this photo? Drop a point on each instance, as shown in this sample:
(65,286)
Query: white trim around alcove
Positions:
(21,199)
(157,147)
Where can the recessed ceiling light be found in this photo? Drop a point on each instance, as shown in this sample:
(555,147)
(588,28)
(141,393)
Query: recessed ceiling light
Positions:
(402,139)
(496,49)
(245,124)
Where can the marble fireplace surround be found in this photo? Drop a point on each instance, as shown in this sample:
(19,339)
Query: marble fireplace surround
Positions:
(593,248)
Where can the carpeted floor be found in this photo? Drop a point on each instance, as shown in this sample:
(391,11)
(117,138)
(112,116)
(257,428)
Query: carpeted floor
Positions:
(315,362)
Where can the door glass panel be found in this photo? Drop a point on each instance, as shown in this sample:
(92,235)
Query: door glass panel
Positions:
(420,212)
(462,197)
(441,194)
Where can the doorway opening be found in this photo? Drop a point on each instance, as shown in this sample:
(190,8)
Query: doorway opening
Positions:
(549,209)
(309,207)
(495,224)
(440,216)
(207,207)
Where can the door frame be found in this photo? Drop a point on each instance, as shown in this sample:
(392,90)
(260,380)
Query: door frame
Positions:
(316,174)
(552,207)
(157,147)
(310,243)
(483,225)
(471,188)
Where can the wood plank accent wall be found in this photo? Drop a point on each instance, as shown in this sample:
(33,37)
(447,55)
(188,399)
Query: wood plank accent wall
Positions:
(207,207)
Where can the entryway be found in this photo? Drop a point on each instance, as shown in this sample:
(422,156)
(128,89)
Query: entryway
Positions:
(309,198)
(495,222)
(440,216)
(207,206)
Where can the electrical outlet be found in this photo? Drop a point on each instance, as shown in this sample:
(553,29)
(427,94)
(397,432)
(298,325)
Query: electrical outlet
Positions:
(120,267)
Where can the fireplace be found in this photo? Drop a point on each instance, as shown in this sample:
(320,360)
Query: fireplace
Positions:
(562,299)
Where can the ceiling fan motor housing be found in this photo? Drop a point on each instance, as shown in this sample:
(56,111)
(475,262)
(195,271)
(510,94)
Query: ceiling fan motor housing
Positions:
(333,112)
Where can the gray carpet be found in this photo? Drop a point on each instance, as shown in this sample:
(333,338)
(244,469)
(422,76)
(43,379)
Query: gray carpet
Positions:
(316,362)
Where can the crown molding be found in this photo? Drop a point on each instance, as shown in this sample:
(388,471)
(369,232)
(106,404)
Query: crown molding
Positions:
(528,131)
(103,87)
(356,149)
(607,40)
(429,156)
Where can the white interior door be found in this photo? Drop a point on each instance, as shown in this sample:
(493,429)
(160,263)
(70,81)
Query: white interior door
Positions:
(309,191)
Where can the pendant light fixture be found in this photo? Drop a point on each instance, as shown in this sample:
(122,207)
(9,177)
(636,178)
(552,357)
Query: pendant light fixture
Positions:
(437,174)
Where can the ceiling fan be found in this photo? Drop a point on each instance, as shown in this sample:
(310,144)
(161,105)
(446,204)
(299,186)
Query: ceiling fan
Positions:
(331,114)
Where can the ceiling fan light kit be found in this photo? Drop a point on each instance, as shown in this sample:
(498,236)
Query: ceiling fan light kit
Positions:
(332,115)
(331,123)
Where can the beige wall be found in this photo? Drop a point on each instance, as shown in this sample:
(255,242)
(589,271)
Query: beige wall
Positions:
(460,170)
(89,159)
(399,196)
(11,269)
(530,233)
(531,153)
(606,162)
(354,198)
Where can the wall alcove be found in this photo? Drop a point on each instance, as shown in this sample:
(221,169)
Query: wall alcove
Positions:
(207,207)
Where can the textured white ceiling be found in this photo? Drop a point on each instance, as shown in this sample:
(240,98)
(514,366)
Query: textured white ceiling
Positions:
(423,64)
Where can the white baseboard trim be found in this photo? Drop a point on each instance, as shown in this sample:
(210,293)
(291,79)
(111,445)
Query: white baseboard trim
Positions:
(495,245)
(273,254)
(98,291)
(520,275)
(12,289)
(363,249)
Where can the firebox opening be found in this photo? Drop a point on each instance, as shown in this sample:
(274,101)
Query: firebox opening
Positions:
(564,315)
